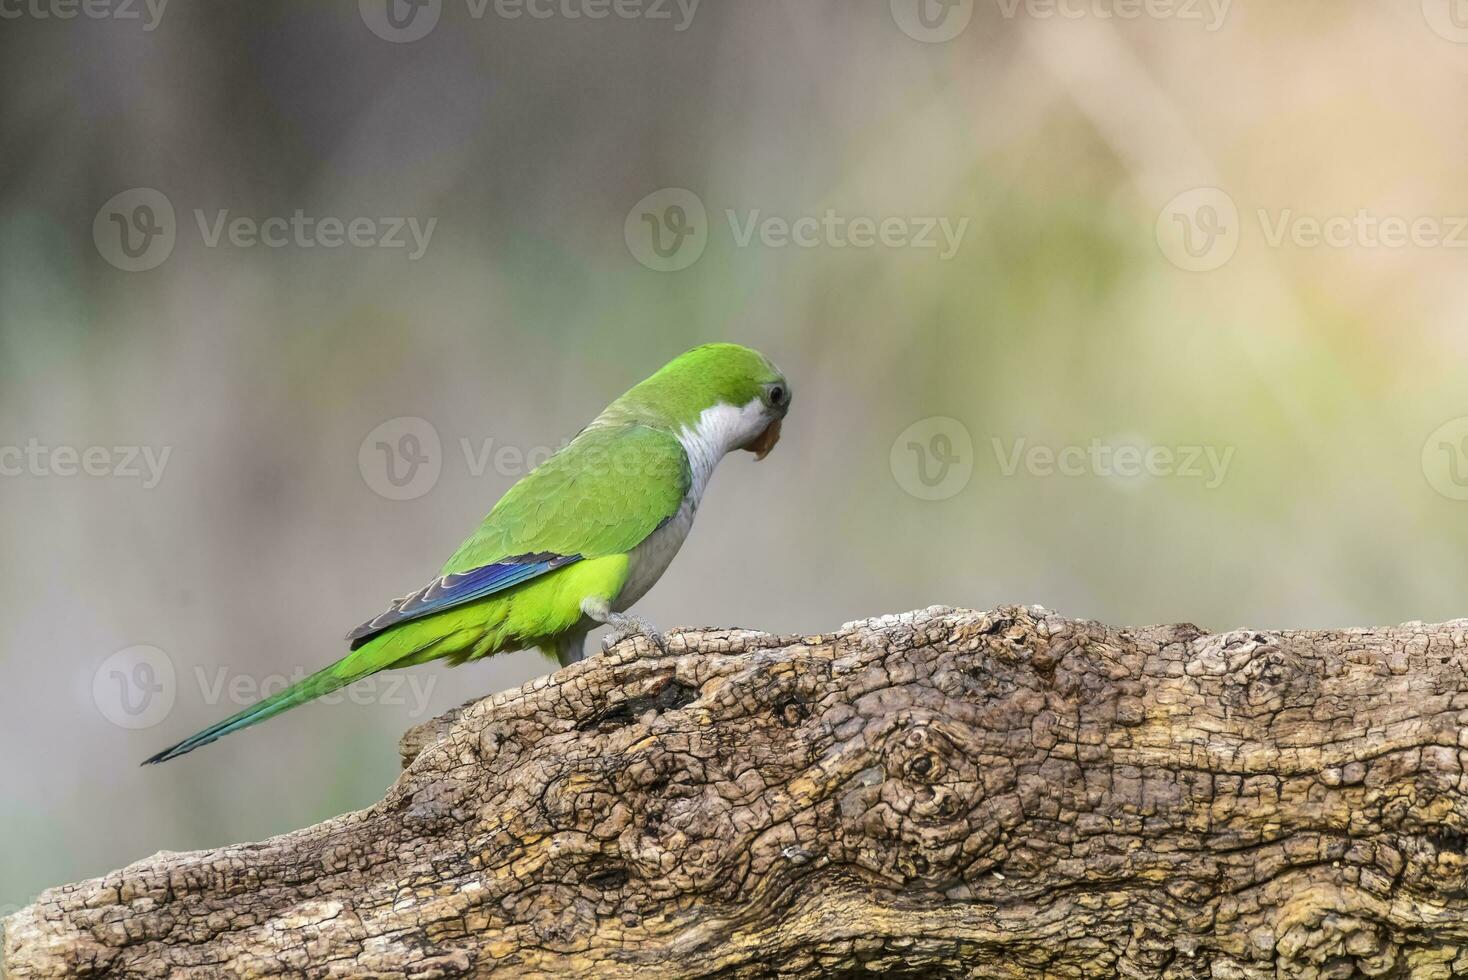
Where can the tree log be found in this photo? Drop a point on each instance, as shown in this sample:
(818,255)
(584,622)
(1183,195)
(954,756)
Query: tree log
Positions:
(943,793)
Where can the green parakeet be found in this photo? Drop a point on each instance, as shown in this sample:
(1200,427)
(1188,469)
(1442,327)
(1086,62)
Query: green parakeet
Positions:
(578,540)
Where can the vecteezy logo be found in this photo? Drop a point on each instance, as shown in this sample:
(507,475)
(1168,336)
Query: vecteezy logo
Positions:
(932,21)
(400,21)
(135,688)
(1445,459)
(933,459)
(402,458)
(667,230)
(1447,18)
(1199,229)
(135,230)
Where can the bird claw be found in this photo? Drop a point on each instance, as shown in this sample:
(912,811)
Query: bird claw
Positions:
(627,627)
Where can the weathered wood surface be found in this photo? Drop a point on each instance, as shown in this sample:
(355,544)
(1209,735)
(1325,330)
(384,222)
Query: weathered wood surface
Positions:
(946,793)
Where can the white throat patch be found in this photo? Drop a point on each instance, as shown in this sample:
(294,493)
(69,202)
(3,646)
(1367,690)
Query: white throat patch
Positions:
(719,429)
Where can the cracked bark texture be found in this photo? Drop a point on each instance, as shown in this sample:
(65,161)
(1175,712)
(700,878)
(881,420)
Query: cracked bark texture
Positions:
(943,793)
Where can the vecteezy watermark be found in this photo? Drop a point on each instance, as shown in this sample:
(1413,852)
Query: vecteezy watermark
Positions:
(1200,230)
(400,21)
(1208,464)
(668,230)
(932,21)
(137,229)
(678,13)
(404,21)
(933,459)
(403,458)
(1445,459)
(400,689)
(304,231)
(1447,18)
(936,21)
(149,12)
(832,230)
(1363,229)
(1210,13)
(135,688)
(143,463)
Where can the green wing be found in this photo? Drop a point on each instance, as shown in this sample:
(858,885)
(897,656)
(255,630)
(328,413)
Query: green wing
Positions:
(601,495)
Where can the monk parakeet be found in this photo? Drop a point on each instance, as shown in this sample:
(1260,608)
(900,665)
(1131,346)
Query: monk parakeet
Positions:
(578,540)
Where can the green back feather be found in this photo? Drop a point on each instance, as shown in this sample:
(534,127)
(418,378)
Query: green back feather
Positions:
(604,493)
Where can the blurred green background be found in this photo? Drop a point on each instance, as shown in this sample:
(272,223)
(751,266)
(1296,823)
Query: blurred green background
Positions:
(1328,376)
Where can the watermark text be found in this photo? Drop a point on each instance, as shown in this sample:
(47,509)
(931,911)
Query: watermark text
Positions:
(1207,464)
(148,12)
(143,463)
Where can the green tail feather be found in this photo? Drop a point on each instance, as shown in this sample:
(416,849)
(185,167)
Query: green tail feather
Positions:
(350,668)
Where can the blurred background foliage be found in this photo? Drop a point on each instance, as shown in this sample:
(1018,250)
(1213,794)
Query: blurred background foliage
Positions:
(1059,321)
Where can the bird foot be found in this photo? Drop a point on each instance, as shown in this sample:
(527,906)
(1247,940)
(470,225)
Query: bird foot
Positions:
(624,627)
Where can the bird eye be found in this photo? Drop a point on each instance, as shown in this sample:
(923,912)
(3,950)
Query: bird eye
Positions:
(777,396)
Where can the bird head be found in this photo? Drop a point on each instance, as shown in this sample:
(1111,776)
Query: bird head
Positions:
(724,395)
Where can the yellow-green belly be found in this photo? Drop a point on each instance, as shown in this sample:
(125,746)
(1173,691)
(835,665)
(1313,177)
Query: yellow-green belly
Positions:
(527,615)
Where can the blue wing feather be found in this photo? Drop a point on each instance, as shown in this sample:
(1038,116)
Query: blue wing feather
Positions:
(460,588)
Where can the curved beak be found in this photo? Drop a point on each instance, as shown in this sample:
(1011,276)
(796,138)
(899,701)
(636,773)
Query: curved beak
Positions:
(765,441)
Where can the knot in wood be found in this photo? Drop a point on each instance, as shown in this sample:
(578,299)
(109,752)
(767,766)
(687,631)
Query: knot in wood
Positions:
(585,798)
(1333,944)
(929,781)
(921,756)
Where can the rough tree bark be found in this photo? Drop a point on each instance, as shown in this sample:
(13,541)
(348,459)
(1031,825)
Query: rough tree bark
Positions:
(944,793)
